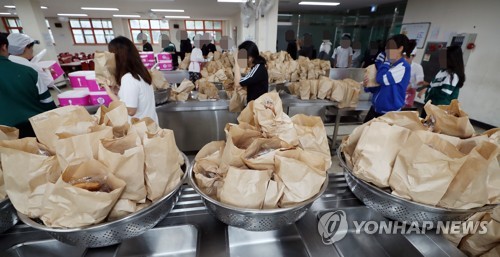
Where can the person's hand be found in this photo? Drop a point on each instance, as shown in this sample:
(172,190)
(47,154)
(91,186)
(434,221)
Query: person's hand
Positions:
(365,81)
(421,93)
(423,84)
(235,56)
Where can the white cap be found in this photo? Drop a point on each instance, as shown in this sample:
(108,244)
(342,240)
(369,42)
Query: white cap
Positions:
(18,42)
(414,52)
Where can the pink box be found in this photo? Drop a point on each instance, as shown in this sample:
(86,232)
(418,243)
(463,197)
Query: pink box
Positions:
(165,66)
(77,79)
(54,66)
(149,65)
(74,97)
(150,56)
(100,98)
(162,57)
(92,84)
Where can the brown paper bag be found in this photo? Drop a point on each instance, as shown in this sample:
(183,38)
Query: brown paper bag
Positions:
(425,168)
(260,154)
(8,133)
(314,89)
(301,181)
(247,115)
(208,176)
(405,119)
(105,68)
(125,159)
(186,86)
(116,115)
(338,90)
(182,97)
(237,101)
(305,89)
(449,119)
(46,124)
(249,185)
(477,244)
(26,172)
(185,63)
(371,75)
(143,126)
(455,238)
(221,74)
(237,140)
(351,96)
(312,135)
(469,188)
(494,252)
(72,207)
(162,164)
(273,122)
(122,208)
(376,152)
(325,88)
(77,148)
(274,192)
(158,80)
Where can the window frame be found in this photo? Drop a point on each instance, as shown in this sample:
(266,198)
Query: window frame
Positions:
(92,28)
(204,30)
(149,30)
(8,27)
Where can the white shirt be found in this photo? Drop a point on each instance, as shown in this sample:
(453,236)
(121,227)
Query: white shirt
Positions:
(416,75)
(196,59)
(326,47)
(341,56)
(138,94)
(45,79)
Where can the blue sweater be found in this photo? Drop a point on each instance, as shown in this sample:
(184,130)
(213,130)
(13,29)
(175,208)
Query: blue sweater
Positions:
(393,80)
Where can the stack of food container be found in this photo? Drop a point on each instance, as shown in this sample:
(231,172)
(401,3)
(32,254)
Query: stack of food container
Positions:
(148,58)
(165,61)
(85,91)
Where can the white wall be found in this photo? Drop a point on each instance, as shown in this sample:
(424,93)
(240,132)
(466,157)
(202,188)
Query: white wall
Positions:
(481,92)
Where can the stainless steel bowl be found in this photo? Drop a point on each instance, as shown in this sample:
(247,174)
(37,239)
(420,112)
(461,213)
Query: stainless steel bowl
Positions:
(400,209)
(162,96)
(253,219)
(8,217)
(114,232)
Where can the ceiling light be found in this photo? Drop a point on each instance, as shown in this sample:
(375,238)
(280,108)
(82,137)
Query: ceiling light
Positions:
(44,7)
(284,23)
(285,15)
(231,1)
(5,13)
(127,15)
(99,9)
(166,10)
(9,6)
(178,17)
(73,14)
(319,3)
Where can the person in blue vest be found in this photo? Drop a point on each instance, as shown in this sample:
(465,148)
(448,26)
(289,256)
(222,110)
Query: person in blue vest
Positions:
(393,75)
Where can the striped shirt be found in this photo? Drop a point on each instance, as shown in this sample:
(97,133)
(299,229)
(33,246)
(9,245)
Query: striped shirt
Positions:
(256,82)
(443,88)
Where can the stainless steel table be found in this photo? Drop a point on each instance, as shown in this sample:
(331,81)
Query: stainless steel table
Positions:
(190,231)
(339,112)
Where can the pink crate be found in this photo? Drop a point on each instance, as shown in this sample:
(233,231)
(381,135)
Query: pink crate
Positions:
(150,56)
(54,66)
(92,84)
(165,66)
(149,65)
(74,97)
(99,98)
(77,79)
(162,57)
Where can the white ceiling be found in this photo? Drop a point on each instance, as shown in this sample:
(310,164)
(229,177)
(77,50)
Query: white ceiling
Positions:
(206,9)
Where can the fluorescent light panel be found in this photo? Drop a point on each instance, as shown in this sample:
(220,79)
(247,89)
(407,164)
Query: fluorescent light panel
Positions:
(5,13)
(319,3)
(166,10)
(100,9)
(127,15)
(73,14)
(13,6)
(285,15)
(231,1)
(177,17)
(284,23)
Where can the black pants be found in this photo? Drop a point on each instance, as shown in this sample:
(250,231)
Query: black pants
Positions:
(372,114)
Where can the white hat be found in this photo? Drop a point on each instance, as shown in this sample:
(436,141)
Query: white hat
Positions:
(414,52)
(18,42)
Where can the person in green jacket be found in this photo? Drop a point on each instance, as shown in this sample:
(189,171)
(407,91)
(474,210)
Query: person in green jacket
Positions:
(450,79)
(19,97)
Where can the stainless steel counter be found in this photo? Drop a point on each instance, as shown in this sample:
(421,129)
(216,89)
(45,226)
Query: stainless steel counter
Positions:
(190,231)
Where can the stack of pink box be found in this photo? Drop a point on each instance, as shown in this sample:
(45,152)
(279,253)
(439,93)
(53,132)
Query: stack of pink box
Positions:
(86,90)
(148,58)
(165,61)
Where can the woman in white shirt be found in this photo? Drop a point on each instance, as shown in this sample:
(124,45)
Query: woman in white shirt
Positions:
(196,60)
(342,55)
(134,80)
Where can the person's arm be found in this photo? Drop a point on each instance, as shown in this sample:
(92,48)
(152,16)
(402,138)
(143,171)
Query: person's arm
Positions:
(349,60)
(387,77)
(237,72)
(334,58)
(197,56)
(380,59)
(129,92)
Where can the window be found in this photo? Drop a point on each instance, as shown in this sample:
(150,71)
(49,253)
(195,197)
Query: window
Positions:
(13,25)
(214,28)
(91,31)
(153,29)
